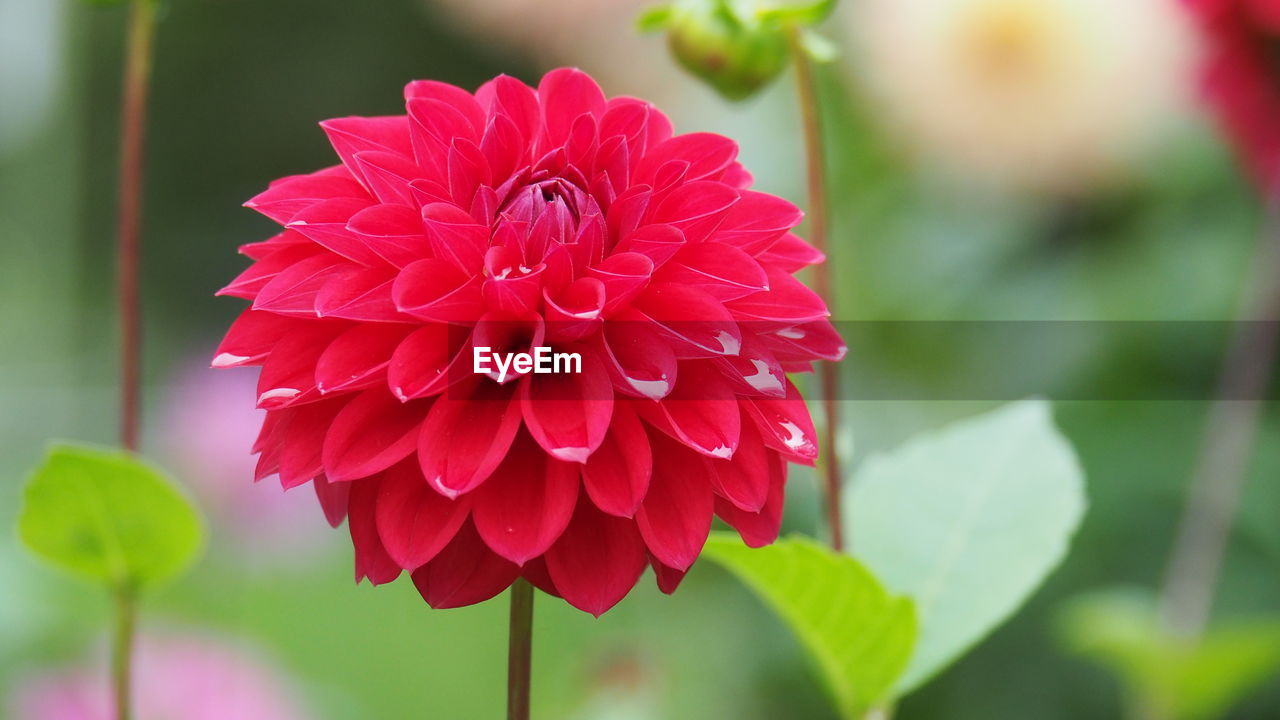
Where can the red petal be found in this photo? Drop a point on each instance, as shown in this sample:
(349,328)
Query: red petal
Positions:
(333,499)
(466,572)
(351,135)
(743,480)
(787,300)
(455,236)
(325,224)
(429,360)
(524,506)
(791,254)
(361,294)
(293,290)
(597,560)
(372,433)
(624,275)
(251,337)
(758,221)
(785,425)
(701,412)
(358,358)
(568,413)
(638,358)
(414,521)
(759,528)
(697,324)
(437,291)
(616,475)
(696,208)
(668,578)
(289,372)
(466,435)
(675,517)
(288,196)
(708,156)
(372,560)
(806,341)
(302,441)
(565,95)
(394,232)
(722,271)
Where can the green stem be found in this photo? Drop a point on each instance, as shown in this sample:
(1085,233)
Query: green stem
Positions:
(520,650)
(122,651)
(1227,446)
(133,124)
(816,179)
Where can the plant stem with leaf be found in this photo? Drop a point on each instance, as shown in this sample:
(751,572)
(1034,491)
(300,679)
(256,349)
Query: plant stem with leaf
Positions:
(1227,445)
(133,125)
(816,181)
(520,650)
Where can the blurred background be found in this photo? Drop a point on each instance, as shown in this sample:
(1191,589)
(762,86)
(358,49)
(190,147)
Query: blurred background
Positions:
(992,160)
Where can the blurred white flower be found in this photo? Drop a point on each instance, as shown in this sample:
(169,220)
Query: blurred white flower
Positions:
(1046,95)
(597,35)
(193,677)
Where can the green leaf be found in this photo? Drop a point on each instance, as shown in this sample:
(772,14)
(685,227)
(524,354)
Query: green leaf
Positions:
(1166,676)
(654,19)
(803,14)
(108,516)
(967,521)
(859,634)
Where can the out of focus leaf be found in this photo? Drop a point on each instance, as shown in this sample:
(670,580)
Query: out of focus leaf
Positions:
(1167,676)
(967,521)
(798,13)
(859,634)
(654,19)
(108,516)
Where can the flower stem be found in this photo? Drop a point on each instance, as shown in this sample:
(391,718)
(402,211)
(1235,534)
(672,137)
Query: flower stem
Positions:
(519,650)
(122,651)
(815,160)
(133,122)
(1227,446)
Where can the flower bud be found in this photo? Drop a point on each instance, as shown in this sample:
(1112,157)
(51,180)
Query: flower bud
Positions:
(736,46)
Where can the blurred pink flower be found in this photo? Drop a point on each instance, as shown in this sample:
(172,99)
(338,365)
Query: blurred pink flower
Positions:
(186,677)
(205,432)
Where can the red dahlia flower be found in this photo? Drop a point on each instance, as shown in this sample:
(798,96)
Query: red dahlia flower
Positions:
(1242,77)
(517,218)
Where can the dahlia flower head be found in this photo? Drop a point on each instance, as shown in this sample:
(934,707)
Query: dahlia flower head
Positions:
(517,218)
(1241,78)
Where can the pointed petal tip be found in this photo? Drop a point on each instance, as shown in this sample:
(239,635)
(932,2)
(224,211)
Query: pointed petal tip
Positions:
(227,360)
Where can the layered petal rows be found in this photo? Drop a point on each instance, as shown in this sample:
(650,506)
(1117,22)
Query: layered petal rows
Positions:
(515,218)
(1242,78)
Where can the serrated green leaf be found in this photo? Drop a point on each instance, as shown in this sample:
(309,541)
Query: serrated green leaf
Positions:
(1167,676)
(108,516)
(967,521)
(859,635)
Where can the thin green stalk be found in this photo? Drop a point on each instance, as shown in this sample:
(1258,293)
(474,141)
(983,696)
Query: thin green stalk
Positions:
(122,651)
(1227,446)
(133,127)
(520,650)
(816,180)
